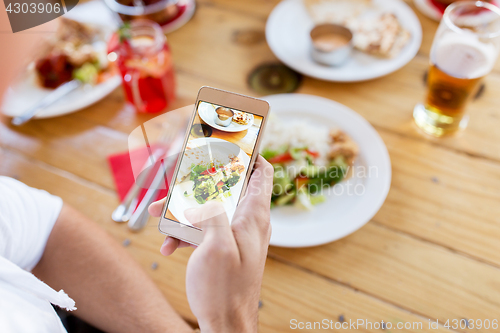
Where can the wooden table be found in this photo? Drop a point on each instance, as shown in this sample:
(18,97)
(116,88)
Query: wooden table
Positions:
(431,252)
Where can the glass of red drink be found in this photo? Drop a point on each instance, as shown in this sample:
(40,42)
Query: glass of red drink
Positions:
(145,62)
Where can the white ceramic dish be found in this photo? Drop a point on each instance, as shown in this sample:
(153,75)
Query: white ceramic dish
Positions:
(179,203)
(207,114)
(26,92)
(343,212)
(287,33)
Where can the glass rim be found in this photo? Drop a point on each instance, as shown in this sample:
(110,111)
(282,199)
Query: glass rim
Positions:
(478,4)
(159,37)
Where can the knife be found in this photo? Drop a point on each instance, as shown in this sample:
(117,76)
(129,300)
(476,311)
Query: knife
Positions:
(48,100)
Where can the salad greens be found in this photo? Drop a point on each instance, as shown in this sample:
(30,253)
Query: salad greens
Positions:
(297,180)
(88,73)
(212,181)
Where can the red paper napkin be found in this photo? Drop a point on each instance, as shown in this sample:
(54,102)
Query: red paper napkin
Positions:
(123,174)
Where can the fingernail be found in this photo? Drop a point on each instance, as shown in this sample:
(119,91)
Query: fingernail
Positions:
(165,242)
(162,248)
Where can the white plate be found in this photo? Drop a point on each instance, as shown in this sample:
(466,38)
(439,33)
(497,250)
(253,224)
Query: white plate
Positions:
(342,213)
(26,93)
(179,203)
(208,114)
(287,33)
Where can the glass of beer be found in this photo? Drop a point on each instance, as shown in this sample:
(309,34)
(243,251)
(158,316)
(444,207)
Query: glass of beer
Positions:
(464,51)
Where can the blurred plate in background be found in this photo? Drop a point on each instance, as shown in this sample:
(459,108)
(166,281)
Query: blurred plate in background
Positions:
(26,92)
(287,33)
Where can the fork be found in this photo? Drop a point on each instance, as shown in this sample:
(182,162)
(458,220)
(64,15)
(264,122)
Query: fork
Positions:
(124,211)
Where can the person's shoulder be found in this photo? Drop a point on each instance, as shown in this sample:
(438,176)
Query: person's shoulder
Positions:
(4,180)
(8,184)
(11,188)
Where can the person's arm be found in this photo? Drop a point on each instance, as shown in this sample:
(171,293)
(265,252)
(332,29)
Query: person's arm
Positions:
(224,274)
(111,291)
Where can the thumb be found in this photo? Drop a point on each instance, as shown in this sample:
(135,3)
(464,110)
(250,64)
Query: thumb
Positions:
(212,219)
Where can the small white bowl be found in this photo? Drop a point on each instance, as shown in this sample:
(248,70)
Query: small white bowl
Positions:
(225,122)
(331,44)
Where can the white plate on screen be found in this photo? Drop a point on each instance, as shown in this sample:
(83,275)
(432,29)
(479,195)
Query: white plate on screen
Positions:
(179,203)
(207,114)
(287,33)
(343,212)
(26,92)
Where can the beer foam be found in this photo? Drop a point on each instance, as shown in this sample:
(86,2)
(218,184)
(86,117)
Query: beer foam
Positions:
(463,55)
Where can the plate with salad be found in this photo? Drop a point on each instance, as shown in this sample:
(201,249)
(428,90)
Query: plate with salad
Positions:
(211,169)
(332,171)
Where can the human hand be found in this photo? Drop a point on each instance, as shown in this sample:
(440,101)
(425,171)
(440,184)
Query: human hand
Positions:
(224,273)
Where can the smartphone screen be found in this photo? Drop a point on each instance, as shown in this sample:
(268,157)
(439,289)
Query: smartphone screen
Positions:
(216,160)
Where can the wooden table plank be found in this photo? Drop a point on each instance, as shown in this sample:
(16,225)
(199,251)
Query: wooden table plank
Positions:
(284,287)
(447,198)
(288,292)
(420,277)
(67,143)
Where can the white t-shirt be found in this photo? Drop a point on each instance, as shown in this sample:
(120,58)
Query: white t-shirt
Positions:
(27,216)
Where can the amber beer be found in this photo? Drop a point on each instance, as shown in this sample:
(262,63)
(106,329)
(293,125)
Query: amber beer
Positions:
(458,63)
(464,50)
(447,95)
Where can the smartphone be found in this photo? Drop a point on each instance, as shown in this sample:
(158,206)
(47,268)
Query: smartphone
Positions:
(216,161)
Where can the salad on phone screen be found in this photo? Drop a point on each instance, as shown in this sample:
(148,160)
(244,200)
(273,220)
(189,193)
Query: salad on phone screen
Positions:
(214,181)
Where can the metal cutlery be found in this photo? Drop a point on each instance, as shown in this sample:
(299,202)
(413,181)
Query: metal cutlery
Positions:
(48,100)
(140,217)
(123,212)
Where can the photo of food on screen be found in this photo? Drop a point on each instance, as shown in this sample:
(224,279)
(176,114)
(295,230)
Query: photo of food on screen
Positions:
(216,160)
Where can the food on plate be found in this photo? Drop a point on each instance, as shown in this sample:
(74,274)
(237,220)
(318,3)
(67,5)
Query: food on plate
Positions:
(336,11)
(376,31)
(213,181)
(241,118)
(306,158)
(76,51)
(381,35)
